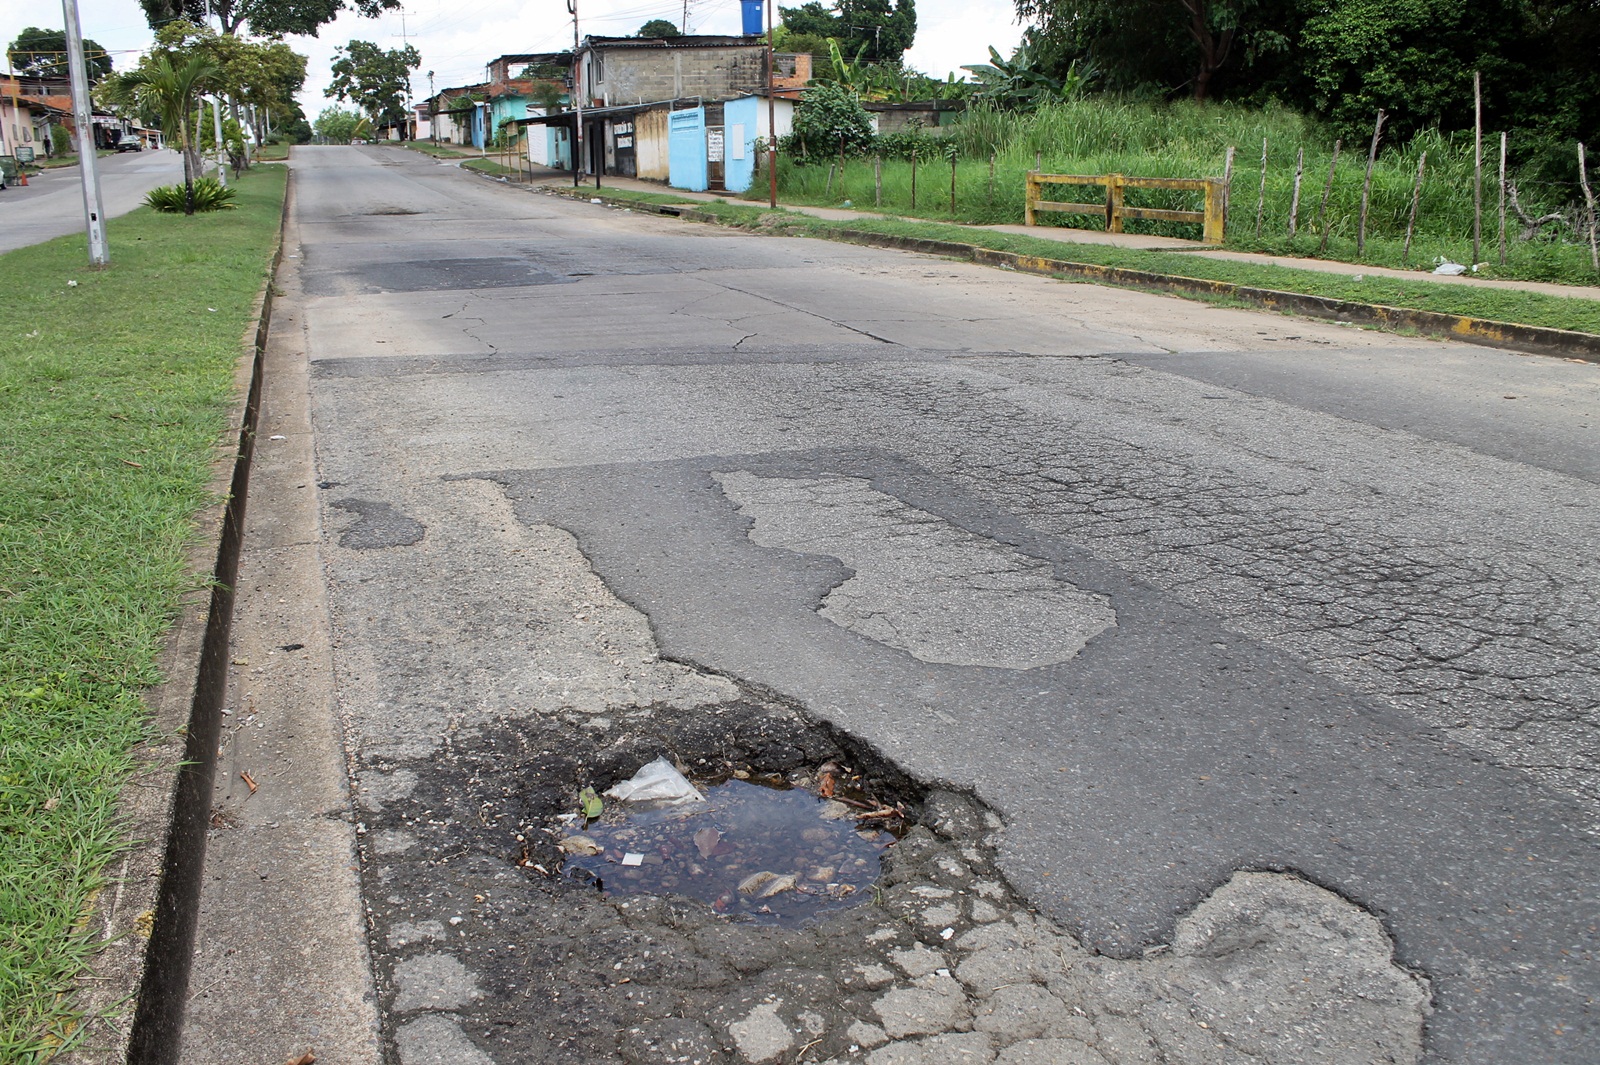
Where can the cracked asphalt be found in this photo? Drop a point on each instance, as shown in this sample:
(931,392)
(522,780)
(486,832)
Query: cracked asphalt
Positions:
(1242,669)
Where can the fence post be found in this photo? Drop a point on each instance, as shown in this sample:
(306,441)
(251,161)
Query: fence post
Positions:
(1261,198)
(1588,195)
(1366,187)
(1114,203)
(877,181)
(913,178)
(1030,197)
(1502,199)
(1216,223)
(952,179)
(1327,190)
(1227,186)
(1294,204)
(1416,198)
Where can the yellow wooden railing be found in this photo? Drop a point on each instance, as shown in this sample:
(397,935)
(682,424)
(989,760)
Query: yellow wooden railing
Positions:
(1116,212)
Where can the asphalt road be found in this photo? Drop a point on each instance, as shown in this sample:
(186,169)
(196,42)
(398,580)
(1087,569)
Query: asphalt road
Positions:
(52,204)
(1176,590)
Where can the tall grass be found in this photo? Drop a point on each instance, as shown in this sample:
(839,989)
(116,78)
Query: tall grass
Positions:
(1101,135)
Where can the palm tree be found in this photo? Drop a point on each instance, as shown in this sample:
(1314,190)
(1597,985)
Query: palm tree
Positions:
(172,92)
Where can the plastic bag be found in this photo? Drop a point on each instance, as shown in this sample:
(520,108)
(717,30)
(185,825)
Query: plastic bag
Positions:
(659,782)
(1449,268)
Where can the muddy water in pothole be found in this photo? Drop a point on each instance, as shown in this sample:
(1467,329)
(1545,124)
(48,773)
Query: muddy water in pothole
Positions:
(773,855)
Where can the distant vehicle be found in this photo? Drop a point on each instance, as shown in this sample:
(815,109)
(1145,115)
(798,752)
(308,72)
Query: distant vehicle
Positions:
(130,142)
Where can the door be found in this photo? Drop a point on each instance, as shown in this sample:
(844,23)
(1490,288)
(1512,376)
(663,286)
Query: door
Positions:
(716,148)
(623,142)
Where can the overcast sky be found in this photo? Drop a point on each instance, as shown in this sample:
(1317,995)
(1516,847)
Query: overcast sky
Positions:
(458,38)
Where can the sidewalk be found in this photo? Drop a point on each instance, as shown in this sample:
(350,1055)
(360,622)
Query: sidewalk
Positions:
(563,179)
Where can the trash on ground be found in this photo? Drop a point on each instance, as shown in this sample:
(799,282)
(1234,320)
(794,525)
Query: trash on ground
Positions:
(659,783)
(757,846)
(1448,268)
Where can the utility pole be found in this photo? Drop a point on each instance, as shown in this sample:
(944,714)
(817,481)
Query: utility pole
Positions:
(772,118)
(577,98)
(83,117)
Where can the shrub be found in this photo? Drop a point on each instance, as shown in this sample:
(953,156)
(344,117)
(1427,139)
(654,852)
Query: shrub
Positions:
(830,119)
(209,195)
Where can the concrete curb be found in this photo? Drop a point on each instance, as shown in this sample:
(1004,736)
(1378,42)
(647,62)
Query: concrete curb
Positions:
(148,926)
(1539,340)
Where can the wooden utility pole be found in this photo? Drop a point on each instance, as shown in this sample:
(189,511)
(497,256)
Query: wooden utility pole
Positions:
(1477,165)
(577,98)
(772,111)
(1366,186)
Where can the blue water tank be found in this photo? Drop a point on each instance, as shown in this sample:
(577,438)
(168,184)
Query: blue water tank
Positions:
(752,18)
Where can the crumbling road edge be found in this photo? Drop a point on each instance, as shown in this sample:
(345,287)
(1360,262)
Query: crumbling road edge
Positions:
(1533,339)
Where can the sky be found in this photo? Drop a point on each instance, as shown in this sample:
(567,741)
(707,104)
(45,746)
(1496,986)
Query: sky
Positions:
(457,39)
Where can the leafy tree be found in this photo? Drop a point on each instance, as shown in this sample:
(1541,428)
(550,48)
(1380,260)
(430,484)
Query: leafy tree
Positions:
(337,126)
(265,18)
(172,92)
(263,74)
(792,41)
(830,119)
(375,80)
(44,53)
(1025,81)
(658,27)
(1172,43)
(877,31)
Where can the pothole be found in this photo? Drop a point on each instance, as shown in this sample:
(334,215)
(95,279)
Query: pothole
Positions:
(773,848)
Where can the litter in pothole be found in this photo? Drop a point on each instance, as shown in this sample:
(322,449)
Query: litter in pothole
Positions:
(765,847)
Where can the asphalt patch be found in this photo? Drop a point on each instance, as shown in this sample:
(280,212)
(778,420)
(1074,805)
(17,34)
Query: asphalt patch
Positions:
(378,525)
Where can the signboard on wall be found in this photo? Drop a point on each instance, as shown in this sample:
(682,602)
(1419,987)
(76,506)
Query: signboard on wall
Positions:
(714,144)
(736,136)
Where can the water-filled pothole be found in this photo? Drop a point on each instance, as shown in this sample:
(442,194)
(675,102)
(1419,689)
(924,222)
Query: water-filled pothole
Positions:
(762,848)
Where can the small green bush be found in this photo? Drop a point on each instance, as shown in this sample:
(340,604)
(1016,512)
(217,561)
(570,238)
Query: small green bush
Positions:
(209,195)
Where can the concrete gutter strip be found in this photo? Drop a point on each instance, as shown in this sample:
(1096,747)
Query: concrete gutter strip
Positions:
(1540,340)
(147,925)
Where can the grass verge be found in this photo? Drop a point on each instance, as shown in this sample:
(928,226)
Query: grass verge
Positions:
(114,395)
(489,166)
(1493,304)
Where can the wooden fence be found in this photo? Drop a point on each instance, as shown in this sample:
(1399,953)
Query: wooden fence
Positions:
(1115,211)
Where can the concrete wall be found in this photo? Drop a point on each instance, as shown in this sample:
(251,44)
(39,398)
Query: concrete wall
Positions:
(651,137)
(745,122)
(642,75)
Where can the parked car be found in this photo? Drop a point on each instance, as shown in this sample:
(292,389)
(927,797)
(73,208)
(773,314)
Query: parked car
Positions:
(130,142)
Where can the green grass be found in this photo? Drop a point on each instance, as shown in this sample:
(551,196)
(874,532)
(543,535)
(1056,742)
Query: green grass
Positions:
(114,394)
(1102,135)
(1495,304)
(488,165)
(442,151)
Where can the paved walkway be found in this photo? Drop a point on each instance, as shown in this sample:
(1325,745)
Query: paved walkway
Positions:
(563,178)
